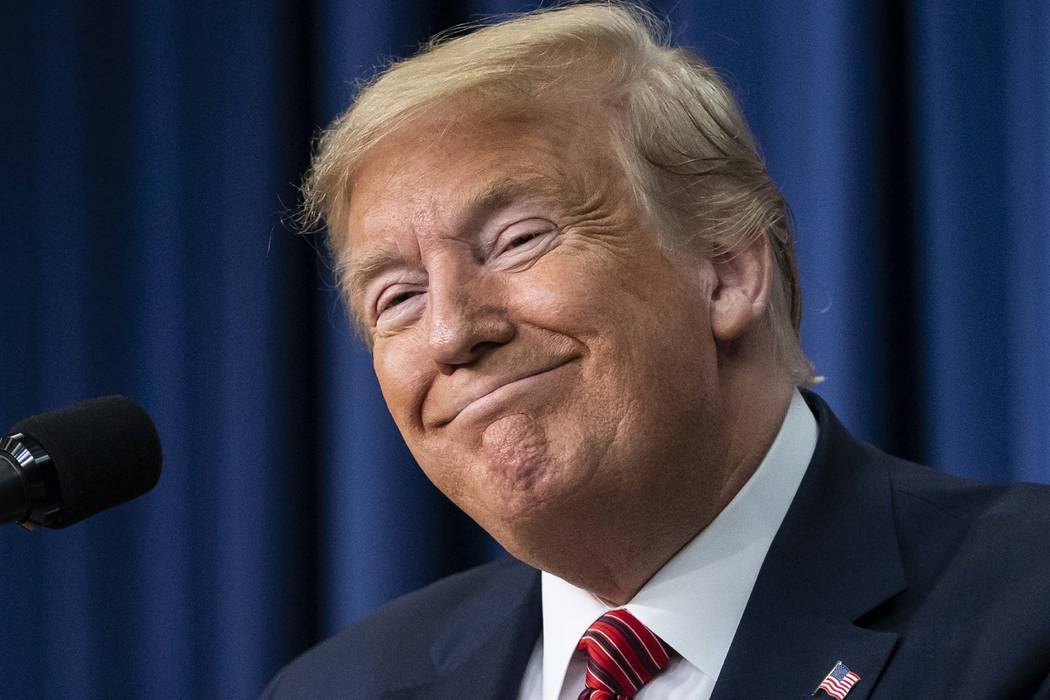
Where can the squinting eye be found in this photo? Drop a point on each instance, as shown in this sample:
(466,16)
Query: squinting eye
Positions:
(403,296)
(394,300)
(522,240)
(529,238)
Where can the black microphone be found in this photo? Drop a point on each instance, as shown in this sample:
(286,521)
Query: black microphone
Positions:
(60,467)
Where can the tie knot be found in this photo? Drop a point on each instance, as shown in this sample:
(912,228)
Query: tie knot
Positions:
(622,655)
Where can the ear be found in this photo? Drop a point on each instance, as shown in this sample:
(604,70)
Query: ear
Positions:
(741,295)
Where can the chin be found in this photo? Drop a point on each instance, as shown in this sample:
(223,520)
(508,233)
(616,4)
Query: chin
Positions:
(521,489)
(507,497)
(529,512)
(514,463)
(518,479)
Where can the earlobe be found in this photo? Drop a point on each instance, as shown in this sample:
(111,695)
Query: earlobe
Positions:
(740,298)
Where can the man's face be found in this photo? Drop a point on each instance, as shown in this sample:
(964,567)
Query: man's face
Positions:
(544,359)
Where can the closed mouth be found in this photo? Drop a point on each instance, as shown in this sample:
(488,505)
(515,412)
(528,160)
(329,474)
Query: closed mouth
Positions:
(486,391)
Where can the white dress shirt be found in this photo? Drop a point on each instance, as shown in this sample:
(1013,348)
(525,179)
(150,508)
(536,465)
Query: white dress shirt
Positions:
(695,602)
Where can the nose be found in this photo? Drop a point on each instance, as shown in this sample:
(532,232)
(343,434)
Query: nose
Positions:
(467,318)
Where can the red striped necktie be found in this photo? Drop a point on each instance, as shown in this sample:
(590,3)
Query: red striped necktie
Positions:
(622,656)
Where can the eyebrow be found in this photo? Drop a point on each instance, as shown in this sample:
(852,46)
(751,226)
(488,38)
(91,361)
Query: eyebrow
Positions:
(370,264)
(479,206)
(503,192)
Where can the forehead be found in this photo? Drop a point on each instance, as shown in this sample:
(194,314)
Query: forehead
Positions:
(441,161)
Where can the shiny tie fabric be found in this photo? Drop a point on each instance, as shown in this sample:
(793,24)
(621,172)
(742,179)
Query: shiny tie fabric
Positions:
(622,656)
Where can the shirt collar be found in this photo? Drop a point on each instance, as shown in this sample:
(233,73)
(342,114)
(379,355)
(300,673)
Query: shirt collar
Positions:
(695,602)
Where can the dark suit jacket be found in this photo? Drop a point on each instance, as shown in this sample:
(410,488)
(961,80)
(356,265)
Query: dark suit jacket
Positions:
(926,585)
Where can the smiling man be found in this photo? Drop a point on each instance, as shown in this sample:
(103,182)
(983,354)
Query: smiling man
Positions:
(509,296)
(578,284)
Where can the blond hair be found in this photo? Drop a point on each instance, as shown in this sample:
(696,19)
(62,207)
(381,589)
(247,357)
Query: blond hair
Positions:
(686,150)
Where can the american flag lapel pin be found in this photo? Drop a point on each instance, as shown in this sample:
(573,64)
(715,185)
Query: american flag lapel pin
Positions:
(838,682)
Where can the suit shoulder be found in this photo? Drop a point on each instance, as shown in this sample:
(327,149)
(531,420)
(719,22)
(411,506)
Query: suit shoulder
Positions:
(405,629)
(1016,504)
(490,584)
(992,533)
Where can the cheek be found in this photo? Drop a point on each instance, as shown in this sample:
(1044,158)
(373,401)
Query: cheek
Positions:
(559,296)
(630,319)
(403,381)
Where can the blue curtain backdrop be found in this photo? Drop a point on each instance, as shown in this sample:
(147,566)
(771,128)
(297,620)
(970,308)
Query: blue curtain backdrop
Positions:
(151,150)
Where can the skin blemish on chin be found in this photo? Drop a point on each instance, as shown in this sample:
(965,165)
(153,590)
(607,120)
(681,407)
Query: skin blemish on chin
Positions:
(515,447)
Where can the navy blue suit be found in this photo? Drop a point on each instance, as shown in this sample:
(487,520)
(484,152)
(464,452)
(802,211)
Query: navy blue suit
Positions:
(924,584)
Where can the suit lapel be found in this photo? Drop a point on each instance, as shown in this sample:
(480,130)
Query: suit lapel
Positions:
(485,645)
(834,559)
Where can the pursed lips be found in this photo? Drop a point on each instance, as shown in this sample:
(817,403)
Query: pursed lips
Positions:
(487,386)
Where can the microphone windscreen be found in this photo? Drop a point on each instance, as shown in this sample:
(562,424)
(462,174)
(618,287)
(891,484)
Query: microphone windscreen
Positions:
(105,451)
